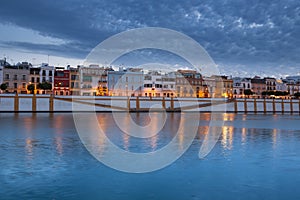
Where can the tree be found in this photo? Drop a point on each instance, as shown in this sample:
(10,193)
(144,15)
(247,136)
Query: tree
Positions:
(31,88)
(297,95)
(3,86)
(248,92)
(45,86)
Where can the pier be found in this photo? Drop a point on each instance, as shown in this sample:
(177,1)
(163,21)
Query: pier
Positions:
(51,103)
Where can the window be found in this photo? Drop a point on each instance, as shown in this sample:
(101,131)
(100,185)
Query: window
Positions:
(37,79)
(15,77)
(50,73)
(7,76)
(15,85)
(23,85)
(24,77)
(44,73)
(74,77)
(32,79)
(44,79)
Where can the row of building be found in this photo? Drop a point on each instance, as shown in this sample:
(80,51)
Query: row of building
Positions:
(105,81)
(258,87)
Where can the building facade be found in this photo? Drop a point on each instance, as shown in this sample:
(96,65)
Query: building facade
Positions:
(93,80)
(61,81)
(125,82)
(74,81)
(270,84)
(258,86)
(16,77)
(189,83)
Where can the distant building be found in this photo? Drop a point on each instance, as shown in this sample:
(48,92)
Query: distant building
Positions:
(293,84)
(61,81)
(169,84)
(219,86)
(125,82)
(2,64)
(258,86)
(238,89)
(16,77)
(281,85)
(34,78)
(74,81)
(270,84)
(246,84)
(47,74)
(293,79)
(189,83)
(93,80)
(293,88)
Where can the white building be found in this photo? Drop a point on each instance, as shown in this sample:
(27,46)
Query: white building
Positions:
(169,84)
(246,83)
(157,84)
(89,78)
(47,73)
(238,87)
(281,86)
(125,82)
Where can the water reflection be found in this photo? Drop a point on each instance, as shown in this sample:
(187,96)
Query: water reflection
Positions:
(29,149)
(41,154)
(227,137)
(274,137)
(244,135)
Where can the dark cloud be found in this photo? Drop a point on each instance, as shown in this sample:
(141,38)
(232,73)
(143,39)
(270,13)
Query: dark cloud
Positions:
(251,32)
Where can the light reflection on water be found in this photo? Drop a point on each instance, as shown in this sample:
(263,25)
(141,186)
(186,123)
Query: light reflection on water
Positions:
(42,157)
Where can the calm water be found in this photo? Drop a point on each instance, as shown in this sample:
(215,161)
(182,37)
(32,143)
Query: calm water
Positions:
(256,157)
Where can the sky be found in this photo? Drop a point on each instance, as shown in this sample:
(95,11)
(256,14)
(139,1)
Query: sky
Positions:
(244,37)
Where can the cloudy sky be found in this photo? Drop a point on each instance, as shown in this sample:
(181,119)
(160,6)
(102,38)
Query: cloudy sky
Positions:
(242,36)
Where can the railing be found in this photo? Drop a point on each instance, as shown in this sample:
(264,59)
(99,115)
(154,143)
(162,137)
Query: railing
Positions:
(143,104)
(264,102)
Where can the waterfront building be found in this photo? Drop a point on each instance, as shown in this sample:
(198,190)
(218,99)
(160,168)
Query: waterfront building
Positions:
(34,78)
(125,82)
(293,88)
(270,84)
(293,79)
(102,89)
(246,83)
(93,80)
(189,83)
(238,89)
(152,84)
(258,86)
(16,77)
(74,81)
(2,64)
(41,74)
(219,86)
(61,81)
(281,85)
(47,74)
(169,84)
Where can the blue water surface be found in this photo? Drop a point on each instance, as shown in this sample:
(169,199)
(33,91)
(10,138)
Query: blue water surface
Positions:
(256,157)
